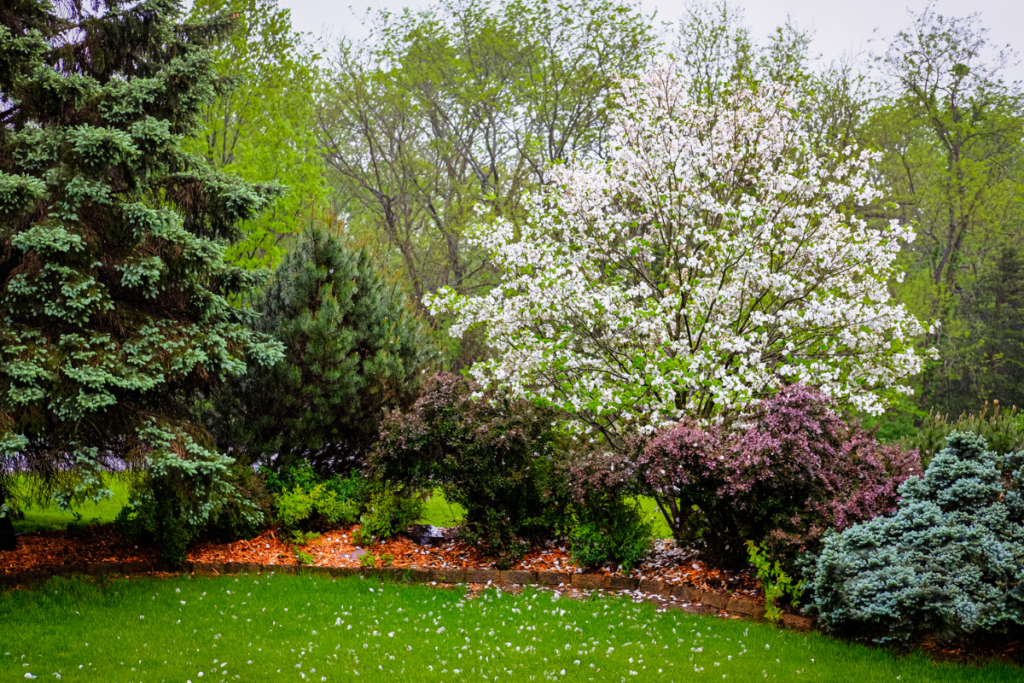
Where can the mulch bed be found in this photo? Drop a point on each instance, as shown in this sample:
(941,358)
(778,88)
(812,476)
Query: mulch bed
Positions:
(670,579)
(336,549)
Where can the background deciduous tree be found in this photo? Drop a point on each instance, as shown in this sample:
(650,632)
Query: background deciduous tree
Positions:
(261,127)
(954,160)
(464,105)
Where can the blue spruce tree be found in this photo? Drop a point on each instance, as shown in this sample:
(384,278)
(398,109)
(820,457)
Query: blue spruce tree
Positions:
(114,294)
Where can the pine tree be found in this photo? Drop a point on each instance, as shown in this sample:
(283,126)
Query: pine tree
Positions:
(353,349)
(114,308)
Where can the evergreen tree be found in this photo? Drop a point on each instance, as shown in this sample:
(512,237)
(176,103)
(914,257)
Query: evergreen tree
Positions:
(983,356)
(113,287)
(353,348)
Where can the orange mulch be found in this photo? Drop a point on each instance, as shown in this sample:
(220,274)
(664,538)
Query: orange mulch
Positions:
(336,548)
(48,549)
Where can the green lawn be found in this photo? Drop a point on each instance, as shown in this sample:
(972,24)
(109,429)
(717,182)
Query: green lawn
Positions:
(440,512)
(293,628)
(51,518)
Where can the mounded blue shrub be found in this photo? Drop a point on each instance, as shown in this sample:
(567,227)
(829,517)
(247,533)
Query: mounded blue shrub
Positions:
(949,560)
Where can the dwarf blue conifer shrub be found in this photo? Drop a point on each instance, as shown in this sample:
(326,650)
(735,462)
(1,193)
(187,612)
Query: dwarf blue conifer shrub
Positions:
(949,560)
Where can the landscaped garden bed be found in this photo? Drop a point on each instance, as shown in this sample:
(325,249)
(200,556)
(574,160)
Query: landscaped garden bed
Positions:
(101,551)
(233,407)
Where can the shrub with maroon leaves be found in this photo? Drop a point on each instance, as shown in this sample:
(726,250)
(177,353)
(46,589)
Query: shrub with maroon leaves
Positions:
(782,474)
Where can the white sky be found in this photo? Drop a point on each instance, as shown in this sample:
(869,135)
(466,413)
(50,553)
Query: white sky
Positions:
(840,25)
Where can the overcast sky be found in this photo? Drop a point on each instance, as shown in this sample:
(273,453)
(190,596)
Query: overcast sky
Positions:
(839,25)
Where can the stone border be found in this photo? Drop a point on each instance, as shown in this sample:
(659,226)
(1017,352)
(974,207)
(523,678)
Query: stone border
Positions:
(700,600)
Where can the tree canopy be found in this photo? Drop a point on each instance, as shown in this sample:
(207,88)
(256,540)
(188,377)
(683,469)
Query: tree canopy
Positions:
(715,258)
(113,288)
(262,127)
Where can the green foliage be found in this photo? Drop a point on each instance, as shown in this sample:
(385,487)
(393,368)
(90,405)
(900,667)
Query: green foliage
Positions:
(1003,430)
(317,506)
(236,518)
(113,290)
(352,350)
(949,561)
(303,499)
(775,582)
(467,103)
(302,474)
(172,506)
(615,532)
(304,537)
(261,127)
(367,560)
(496,457)
(953,156)
(392,509)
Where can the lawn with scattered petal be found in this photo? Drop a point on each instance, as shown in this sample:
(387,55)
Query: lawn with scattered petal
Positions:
(301,628)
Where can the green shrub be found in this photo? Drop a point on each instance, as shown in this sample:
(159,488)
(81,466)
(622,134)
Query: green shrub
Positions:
(353,487)
(235,519)
(1002,429)
(775,582)
(615,532)
(316,507)
(172,511)
(392,509)
(352,350)
(305,500)
(496,457)
(949,561)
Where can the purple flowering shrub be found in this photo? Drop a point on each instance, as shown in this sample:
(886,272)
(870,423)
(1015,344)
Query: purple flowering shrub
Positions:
(782,474)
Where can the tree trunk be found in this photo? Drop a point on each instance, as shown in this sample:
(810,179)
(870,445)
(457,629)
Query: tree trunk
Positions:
(7,538)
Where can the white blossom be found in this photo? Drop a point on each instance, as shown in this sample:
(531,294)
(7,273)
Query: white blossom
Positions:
(711,260)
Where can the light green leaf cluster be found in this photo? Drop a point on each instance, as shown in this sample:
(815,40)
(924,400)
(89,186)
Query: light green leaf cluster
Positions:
(261,126)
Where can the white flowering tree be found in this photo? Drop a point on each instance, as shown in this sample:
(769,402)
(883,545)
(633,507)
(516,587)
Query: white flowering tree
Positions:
(710,261)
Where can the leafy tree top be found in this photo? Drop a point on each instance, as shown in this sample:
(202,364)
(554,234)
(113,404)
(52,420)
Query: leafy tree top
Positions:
(353,350)
(713,260)
(263,128)
(113,288)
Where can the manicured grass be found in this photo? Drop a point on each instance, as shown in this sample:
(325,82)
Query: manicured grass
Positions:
(293,628)
(652,513)
(52,518)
